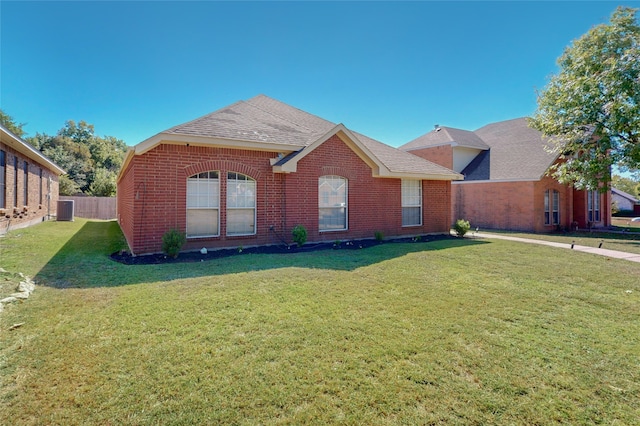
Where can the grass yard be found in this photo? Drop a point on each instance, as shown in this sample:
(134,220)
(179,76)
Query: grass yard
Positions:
(444,332)
(626,224)
(628,241)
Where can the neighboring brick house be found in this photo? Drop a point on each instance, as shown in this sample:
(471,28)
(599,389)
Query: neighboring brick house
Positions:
(28,183)
(505,186)
(248,173)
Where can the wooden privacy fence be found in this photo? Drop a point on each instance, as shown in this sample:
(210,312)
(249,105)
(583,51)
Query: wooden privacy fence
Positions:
(93,207)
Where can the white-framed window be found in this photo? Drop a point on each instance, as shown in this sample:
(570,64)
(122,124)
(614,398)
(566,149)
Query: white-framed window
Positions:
(241,204)
(3,180)
(40,192)
(551,207)
(203,205)
(25,187)
(411,202)
(332,203)
(593,206)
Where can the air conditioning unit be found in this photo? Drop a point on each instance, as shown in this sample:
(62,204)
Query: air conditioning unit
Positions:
(65,210)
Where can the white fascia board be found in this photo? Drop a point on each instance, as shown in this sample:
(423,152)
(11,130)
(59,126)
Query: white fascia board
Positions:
(421,176)
(496,181)
(29,151)
(177,139)
(128,156)
(431,146)
(377,167)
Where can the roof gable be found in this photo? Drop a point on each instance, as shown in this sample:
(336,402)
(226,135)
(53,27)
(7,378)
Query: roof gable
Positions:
(446,136)
(623,194)
(516,151)
(263,123)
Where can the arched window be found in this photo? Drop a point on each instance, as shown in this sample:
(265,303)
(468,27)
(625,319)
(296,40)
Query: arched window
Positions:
(332,203)
(551,207)
(241,204)
(203,205)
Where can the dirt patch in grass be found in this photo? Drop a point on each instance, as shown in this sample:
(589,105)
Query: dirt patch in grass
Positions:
(196,256)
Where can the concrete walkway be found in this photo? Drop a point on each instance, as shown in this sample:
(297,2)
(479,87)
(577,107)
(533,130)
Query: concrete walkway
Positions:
(633,257)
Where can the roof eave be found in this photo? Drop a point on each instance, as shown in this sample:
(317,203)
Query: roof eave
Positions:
(346,136)
(28,151)
(422,176)
(208,141)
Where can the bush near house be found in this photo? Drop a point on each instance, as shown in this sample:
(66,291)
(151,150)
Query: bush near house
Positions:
(173,241)
(461,227)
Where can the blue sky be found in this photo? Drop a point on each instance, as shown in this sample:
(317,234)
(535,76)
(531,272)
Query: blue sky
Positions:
(390,70)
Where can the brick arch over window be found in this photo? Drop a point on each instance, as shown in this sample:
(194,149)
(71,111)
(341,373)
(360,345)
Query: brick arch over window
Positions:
(222,166)
(336,171)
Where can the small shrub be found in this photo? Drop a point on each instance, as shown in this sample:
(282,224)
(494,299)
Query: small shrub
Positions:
(379,236)
(299,233)
(172,242)
(461,227)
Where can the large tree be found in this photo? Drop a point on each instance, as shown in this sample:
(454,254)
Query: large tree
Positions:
(91,162)
(626,184)
(590,109)
(8,122)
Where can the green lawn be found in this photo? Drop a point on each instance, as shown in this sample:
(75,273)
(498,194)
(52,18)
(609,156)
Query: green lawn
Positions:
(628,241)
(444,332)
(625,223)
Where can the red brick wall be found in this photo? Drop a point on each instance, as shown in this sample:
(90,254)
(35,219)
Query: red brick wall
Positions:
(515,206)
(581,214)
(126,199)
(442,155)
(35,208)
(566,204)
(374,204)
(495,205)
(159,179)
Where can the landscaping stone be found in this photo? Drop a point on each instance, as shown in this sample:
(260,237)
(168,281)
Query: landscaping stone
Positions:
(22,295)
(22,290)
(26,287)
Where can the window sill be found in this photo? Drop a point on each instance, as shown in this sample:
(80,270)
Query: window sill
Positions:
(200,237)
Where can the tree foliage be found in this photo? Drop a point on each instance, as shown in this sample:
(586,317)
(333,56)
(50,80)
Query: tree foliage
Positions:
(590,110)
(91,162)
(7,121)
(626,184)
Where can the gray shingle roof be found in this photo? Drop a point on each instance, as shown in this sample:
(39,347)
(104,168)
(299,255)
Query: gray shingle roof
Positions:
(266,121)
(260,119)
(624,194)
(516,151)
(399,161)
(446,136)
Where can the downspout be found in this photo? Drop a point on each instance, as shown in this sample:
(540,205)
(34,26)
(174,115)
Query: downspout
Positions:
(49,199)
(284,203)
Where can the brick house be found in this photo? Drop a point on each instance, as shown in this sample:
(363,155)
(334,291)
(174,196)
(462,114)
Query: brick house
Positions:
(505,186)
(28,183)
(248,173)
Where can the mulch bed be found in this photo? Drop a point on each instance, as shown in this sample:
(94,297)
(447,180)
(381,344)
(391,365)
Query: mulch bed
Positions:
(195,256)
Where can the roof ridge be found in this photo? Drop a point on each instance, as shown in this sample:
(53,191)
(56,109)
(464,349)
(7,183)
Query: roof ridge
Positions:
(173,128)
(287,106)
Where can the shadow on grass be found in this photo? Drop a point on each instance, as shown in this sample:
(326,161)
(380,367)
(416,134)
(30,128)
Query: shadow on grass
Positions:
(84,261)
